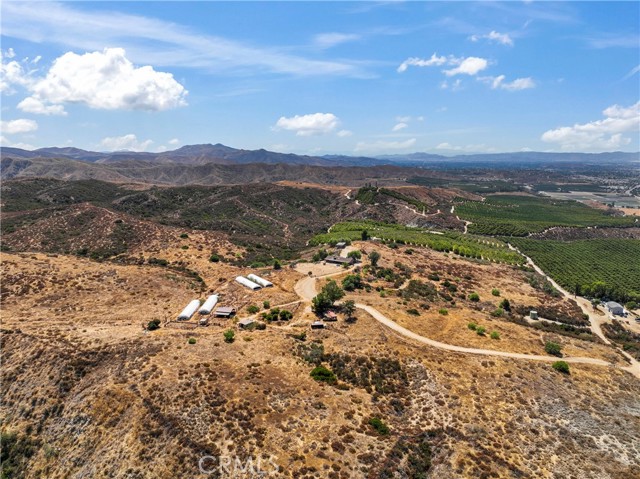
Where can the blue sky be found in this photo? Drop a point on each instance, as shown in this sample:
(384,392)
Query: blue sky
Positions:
(322,77)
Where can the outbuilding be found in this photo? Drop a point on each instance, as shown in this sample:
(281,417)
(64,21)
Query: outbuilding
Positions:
(260,281)
(330,316)
(317,325)
(333,259)
(248,283)
(225,312)
(341,245)
(209,304)
(615,308)
(245,323)
(189,310)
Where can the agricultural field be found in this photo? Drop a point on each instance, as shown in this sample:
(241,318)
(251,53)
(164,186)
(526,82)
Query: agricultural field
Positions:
(463,245)
(489,186)
(604,268)
(522,215)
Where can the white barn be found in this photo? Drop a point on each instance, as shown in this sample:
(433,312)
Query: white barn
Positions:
(261,281)
(209,304)
(188,311)
(615,308)
(248,283)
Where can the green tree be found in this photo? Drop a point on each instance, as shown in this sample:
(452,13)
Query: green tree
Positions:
(355,254)
(253,309)
(495,292)
(229,336)
(506,305)
(552,348)
(364,235)
(374,257)
(277,264)
(475,297)
(322,374)
(352,282)
(333,291)
(321,303)
(349,307)
(561,366)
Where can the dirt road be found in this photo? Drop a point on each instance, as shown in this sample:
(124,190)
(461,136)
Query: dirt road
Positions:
(306,289)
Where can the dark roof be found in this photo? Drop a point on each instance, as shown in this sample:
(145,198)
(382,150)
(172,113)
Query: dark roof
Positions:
(225,311)
(339,259)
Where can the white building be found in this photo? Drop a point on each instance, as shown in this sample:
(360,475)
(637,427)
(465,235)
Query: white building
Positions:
(261,281)
(614,308)
(248,283)
(209,304)
(189,310)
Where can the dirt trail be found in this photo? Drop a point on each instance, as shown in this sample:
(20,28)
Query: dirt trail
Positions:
(306,289)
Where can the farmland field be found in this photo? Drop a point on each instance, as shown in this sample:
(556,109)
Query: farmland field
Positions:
(469,246)
(521,215)
(606,268)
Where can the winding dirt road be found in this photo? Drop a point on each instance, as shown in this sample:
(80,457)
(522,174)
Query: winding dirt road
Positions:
(306,289)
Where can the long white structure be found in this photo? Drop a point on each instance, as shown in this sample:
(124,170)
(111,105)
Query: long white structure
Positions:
(248,283)
(188,311)
(261,281)
(209,304)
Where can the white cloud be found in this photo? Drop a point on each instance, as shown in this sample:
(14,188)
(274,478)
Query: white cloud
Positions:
(12,73)
(21,125)
(493,36)
(462,66)
(157,42)
(480,148)
(174,141)
(468,66)
(108,80)
(307,125)
(36,59)
(517,84)
(344,133)
(632,72)
(328,40)
(10,53)
(435,60)
(605,134)
(399,126)
(455,85)
(403,119)
(34,105)
(126,142)
(382,146)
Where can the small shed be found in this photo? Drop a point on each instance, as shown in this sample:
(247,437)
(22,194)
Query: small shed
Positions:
(330,316)
(533,314)
(225,312)
(317,325)
(333,259)
(245,323)
(204,321)
(341,245)
(615,308)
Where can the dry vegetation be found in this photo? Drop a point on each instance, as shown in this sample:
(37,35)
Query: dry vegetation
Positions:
(87,392)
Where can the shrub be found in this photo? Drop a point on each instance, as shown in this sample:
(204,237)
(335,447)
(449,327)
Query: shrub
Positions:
(277,264)
(631,305)
(266,304)
(443,311)
(561,366)
(192,341)
(380,427)
(495,292)
(260,326)
(153,325)
(214,258)
(320,255)
(352,282)
(322,374)
(506,305)
(497,312)
(184,247)
(374,257)
(480,330)
(434,276)
(253,309)
(495,335)
(552,348)
(229,336)
(474,297)
(472,326)
(184,236)
(354,254)
(413,312)
(301,336)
